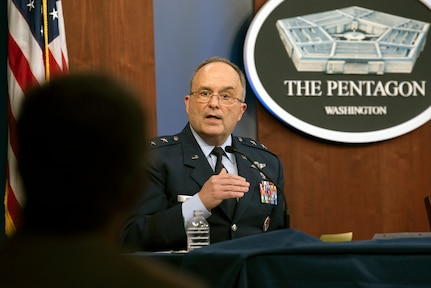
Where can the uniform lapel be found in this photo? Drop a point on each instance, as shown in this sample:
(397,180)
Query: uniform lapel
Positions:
(252,176)
(194,158)
(201,169)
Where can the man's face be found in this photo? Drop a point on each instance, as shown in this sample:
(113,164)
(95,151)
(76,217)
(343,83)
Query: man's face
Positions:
(213,121)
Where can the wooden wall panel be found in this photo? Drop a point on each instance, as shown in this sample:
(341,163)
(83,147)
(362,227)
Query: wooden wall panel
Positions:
(364,188)
(114,36)
(367,188)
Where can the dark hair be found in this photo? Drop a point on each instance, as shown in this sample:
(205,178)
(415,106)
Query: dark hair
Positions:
(214,59)
(81,152)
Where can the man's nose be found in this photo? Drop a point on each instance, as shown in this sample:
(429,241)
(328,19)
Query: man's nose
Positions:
(214,101)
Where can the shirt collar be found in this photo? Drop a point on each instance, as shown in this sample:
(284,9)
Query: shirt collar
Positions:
(207,148)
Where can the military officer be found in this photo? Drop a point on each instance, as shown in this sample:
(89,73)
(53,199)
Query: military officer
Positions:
(244,198)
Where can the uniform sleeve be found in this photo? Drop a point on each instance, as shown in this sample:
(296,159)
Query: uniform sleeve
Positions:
(157,224)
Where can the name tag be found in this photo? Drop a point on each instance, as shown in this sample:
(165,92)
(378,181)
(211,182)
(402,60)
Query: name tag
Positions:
(268,192)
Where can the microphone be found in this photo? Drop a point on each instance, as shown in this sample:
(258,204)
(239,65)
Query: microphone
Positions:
(231,149)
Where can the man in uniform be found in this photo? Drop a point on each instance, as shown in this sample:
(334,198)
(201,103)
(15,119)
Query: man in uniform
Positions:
(243,198)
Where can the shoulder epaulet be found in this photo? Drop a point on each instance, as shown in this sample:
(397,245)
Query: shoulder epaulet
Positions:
(251,143)
(161,141)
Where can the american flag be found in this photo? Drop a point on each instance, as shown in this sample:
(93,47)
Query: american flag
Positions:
(36,52)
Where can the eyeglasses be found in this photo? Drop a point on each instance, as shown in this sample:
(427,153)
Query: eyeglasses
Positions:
(225,98)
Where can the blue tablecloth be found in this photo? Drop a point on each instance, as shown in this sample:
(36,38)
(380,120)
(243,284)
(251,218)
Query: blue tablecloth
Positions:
(291,258)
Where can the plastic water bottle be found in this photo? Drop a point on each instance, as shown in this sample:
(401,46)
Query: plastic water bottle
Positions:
(198,231)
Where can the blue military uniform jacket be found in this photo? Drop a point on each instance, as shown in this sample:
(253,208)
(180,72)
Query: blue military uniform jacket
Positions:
(178,167)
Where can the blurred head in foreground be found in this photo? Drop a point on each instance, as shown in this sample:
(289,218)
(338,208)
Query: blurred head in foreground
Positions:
(81,152)
(81,157)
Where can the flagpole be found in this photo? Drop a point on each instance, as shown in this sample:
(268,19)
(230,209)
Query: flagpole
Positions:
(45,38)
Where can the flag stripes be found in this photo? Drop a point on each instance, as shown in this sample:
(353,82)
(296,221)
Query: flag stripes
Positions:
(36,51)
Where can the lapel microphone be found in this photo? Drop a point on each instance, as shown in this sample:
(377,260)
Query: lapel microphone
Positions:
(231,149)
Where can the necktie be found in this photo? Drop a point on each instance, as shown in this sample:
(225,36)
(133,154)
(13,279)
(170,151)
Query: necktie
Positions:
(219,152)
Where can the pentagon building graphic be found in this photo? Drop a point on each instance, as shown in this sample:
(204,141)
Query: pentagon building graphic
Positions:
(353,40)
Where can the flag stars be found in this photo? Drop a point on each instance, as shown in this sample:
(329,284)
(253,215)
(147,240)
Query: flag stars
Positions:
(54,14)
(30,5)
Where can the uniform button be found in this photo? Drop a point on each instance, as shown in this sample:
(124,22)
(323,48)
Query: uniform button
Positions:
(234,227)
